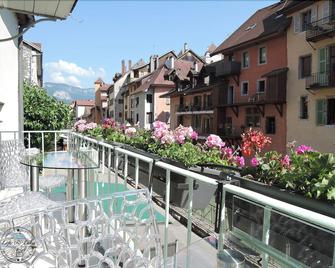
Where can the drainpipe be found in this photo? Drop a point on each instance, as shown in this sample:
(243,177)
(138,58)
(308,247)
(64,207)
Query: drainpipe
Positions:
(20,85)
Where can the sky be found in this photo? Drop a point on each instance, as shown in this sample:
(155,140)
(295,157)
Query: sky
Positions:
(92,42)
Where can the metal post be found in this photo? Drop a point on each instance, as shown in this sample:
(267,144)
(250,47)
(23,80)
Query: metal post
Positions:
(150,182)
(218,203)
(70,192)
(103,159)
(29,140)
(266,234)
(43,142)
(167,209)
(82,215)
(55,141)
(34,181)
(109,169)
(189,219)
(116,170)
(222,220)
(125,174)
(137,167)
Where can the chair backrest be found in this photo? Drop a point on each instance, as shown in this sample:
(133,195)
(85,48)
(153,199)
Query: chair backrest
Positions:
(116,230)
(12,172)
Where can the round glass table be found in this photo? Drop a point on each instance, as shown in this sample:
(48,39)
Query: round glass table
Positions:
(72,161)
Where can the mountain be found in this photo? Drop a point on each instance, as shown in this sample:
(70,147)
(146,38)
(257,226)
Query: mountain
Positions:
(68,93)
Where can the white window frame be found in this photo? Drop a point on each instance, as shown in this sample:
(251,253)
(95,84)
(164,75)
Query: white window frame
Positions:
(258,55)
(242,83)
(257,85)
(242,56)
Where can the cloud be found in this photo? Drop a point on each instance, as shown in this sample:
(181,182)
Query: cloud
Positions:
(63,95)
(65,72)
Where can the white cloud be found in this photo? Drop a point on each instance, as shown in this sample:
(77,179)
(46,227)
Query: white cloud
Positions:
(70,73)
(63,95)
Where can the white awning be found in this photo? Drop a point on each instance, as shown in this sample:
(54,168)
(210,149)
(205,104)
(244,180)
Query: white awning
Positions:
(58,9)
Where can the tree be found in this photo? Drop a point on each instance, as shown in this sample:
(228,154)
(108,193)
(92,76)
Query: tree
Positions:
(43,112)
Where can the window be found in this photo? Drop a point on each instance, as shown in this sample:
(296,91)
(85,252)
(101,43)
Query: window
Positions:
(252,118)
(270,125)
(196,123)
(262,55)
(149,118)
(120,114)
(137,119)
(197,102)
(305,66)
(137,101)
(167,101)
(245,59)
(149,98)
(120,101)
(261,86)
(325,111)
(305,20)
(303,107)
(245,88)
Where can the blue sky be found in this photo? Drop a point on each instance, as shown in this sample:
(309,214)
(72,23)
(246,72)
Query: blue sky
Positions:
(99,34)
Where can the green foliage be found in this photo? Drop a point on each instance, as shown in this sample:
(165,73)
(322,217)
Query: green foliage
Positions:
(43,112)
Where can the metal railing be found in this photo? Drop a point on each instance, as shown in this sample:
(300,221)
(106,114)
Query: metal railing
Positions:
(268,205)
(320,29)
(321,80)
(191,108)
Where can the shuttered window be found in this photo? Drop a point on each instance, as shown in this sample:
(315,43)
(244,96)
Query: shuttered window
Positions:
(305,66)
(321,112)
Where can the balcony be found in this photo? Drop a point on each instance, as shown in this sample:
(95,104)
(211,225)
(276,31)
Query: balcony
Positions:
(224,68)
(194,109)
(255,224)
(321,29)
(321,80)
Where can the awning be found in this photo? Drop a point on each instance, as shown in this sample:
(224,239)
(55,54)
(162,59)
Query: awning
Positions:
(276,72)
(58,9)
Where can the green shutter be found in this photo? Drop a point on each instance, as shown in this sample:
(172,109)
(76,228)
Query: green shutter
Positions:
(323,66)
(321,109)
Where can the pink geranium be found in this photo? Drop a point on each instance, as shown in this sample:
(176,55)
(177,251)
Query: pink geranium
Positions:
(254,162)
(286,161)
(303,149)
(214,141)
(168,137)
(240,161)
(227,152)
(159,125)
(130,132)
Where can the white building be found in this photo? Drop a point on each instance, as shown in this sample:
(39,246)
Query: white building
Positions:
(81,107)
(16,16)
(32,63)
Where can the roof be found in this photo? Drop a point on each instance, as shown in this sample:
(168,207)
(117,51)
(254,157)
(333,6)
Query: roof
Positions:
(99,81)
(58,9)
(264,22)
(141,63)
(294,5)
(183,67)
(211,48)
(36,46)
(182,54)
(84,102)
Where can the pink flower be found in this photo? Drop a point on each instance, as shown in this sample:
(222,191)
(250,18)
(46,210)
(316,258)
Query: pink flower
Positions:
(214,141)
(130,131)
(168,138)
(91,125)
(240,161)
(194,135)
(303,149)
(159,125)
(227,152)
(81,128)
(254,162)
(286,161)
(180,138)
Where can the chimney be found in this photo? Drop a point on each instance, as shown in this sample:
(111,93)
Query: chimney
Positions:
(157,61)
(129,65)
(185,47)
(196,68)
(152,64)
(123,67)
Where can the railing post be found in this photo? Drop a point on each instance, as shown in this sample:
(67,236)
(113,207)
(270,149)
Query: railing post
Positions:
(103,158)
(189,219)
(222,220)
(125,173)
(116,169)
(55,140)
(109,169)
(29,140)
(167,209)
(266,234)
(137,167)
(218,206)
(42,142)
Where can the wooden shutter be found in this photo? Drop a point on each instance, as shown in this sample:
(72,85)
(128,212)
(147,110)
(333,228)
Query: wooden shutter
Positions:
(325,11)
(321,112)
(297,23)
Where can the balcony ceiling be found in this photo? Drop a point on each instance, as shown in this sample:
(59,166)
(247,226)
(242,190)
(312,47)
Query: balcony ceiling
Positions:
(58,9)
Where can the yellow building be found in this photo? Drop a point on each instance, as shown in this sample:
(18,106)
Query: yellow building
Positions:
(311,76)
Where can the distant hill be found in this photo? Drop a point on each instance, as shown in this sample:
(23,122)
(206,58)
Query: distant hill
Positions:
(68,93)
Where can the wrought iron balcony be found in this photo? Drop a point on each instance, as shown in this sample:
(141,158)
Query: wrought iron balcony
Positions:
(321,29)
(191,108)
(321,80)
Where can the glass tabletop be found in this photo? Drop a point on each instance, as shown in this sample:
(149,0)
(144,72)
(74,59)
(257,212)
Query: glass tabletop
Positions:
(62,160)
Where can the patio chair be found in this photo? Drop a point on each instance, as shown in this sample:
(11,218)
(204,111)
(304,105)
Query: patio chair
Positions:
(116,230)
(14,174)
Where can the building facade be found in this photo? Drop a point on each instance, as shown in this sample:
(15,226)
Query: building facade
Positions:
(33,63)
(254,94)
(82,108)
(101,106)
(311,79)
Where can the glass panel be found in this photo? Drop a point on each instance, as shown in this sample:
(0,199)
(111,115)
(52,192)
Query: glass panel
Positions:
(305,243)
(248,217)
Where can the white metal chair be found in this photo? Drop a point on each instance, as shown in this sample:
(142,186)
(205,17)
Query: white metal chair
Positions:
(116,230)
(14,174)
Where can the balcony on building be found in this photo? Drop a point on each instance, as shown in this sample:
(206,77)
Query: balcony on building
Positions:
(321,29)
(225,68)
(321,80)
(194,109)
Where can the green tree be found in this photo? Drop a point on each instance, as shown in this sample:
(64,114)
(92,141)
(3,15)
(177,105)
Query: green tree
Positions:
(43,112)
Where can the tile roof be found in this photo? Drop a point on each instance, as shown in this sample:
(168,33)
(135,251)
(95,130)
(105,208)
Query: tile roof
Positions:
(99,81)
(263,22)
(104,87)
(84,102)
(211,48)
